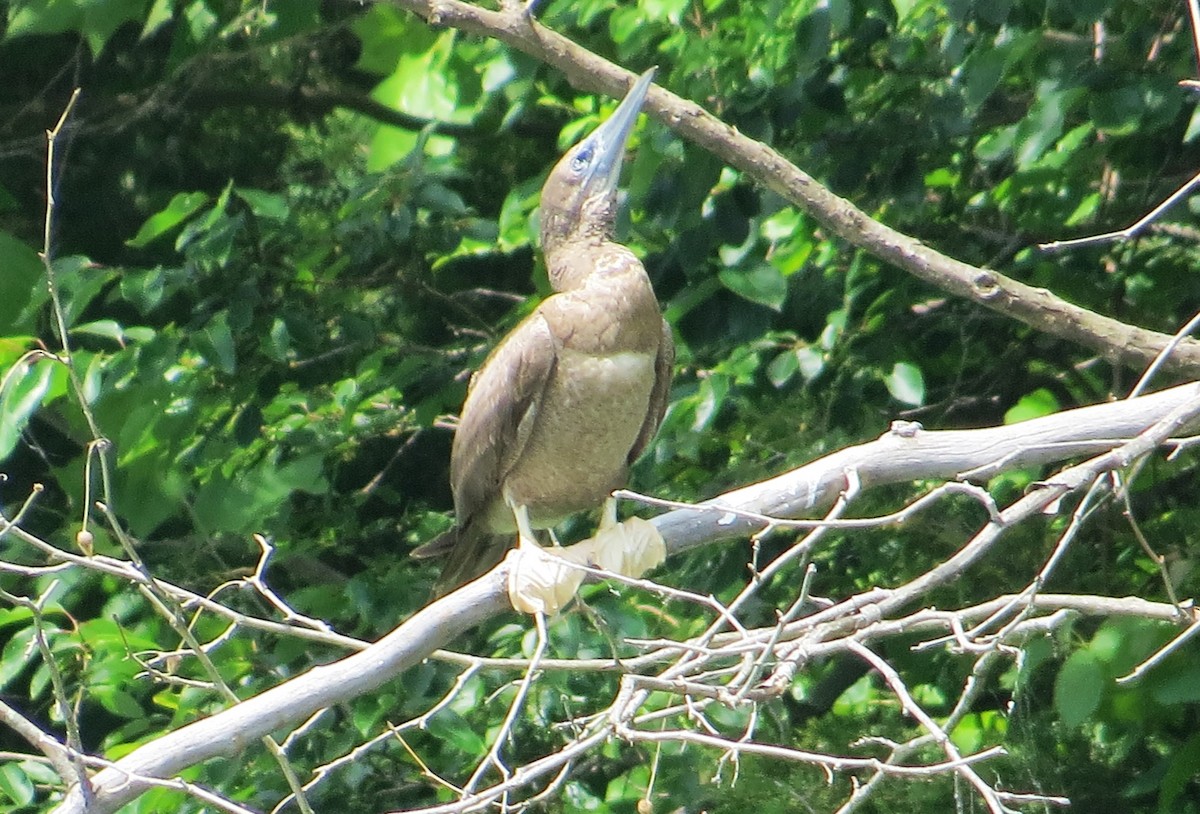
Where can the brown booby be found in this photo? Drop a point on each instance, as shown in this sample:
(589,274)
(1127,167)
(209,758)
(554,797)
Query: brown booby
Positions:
(574,393)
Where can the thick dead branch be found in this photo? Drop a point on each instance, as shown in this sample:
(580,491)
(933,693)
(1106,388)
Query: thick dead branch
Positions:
(896,456)
(907,454)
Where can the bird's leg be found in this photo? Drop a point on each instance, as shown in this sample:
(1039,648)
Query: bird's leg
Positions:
(608,514)
(525,535)
(538,581)
(630,548)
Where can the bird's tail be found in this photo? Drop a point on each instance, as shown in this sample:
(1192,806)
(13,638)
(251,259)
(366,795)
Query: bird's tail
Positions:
(439,546)
(466,554)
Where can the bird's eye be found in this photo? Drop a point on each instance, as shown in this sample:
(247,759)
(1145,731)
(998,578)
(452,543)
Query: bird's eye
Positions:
(581,160)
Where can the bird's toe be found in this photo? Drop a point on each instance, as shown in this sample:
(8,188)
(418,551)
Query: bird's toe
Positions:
(540,581)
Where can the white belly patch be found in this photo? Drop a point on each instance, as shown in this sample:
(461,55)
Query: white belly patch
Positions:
(578,449)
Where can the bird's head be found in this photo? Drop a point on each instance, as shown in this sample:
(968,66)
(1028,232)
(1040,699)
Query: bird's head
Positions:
(579,199)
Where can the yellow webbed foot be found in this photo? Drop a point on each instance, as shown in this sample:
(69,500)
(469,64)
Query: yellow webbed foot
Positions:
(630,548)
(538,581)
(543,580)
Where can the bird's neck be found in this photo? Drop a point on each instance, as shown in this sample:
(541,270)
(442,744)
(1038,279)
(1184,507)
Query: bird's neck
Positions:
(581,238)
(604,302)
(593,264)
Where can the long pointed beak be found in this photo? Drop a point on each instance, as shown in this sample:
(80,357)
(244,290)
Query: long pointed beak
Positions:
(606,143)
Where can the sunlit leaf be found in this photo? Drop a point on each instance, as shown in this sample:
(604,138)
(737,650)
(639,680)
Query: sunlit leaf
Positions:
(15,784)
(182,206)
(24,388)
(264,204)
(906,384)
(103,328)
(96,21)
(783,367)
(763,284)
(1040,402)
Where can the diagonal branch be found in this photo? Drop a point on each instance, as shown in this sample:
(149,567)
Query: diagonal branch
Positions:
(894,457)
(1040,309)
(904,455)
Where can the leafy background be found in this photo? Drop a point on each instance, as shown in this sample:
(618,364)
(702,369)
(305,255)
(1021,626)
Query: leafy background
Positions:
(286,233)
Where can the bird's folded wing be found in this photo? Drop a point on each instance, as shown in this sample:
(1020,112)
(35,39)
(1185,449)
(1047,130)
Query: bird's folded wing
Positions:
(499,414)
(664,364)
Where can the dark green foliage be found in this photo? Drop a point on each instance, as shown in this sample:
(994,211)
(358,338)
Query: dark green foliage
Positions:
(274,301)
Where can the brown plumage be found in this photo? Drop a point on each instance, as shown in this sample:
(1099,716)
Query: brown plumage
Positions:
(572,395)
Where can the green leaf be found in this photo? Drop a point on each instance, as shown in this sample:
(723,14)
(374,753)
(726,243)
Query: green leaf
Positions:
(763,284)
(450,727)
(1039,403)
(144,289)
(1086,209)
(423,86)
(1035,653)
(1079,688)
(215,342)
(906,384)
(783,367)
(812,362)
(181,207)
(303,474)
(18,653)
(981,74)
(904,7)
(42,17)
(96,20)
(161,13)
(40,773)
(278,343)
(1117,112)
(1041,128)
(513,222)
(1181,773)
(1193,128)
(624,22)
(118,702)
(1179,686)
(13,616)
(80,283)
(710,396)
(245,502)
(39,684)
(440,199)
(103,328)
(15,784)
(201,22)
(969,735)
(22,285)
(668,10)
(386,33)
(294,17)
(264,204)
(93,376)
(997,145)
(1108,642)
(390,145)
(25,386)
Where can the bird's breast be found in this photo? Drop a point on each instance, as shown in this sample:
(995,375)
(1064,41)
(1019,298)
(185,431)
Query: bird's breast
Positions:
(583,430)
